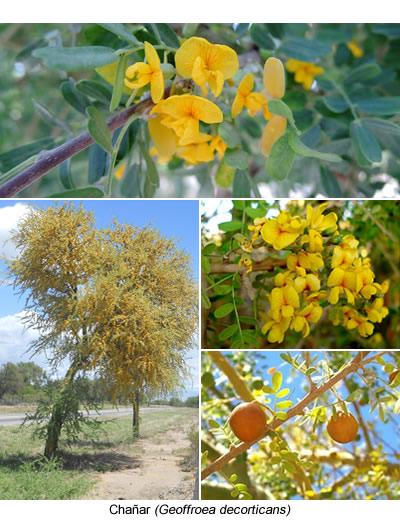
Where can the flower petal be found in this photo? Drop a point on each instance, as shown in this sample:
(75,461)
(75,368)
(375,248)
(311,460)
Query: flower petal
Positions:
(274,129)
(274,77)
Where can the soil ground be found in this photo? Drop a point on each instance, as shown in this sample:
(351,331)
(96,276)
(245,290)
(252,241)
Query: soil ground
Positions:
(156,472)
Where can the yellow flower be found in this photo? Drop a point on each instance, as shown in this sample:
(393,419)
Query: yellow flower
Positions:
(343,257)
(198,151)
(253,101)
(283,302)
(303,261)
(274,82)
(206,63)
(311,313)
(310,282)
(258,224)
(356,51)
(377,311)
(218,145)
(342,282)
(303,72)
(164,138)
(361,323)
(316,220)
(140,74)
(184,113)
(282,231)
(276,329)
(314,241)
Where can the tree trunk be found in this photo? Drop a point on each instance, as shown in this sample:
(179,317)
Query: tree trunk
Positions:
(135,419)
(56,421)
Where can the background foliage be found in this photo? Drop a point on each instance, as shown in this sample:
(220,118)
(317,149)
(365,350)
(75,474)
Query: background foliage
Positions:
(374,223)
(351,110)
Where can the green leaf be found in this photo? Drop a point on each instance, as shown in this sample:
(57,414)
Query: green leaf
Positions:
(130,182)
(98,129)
(80,193)
(205,300)
(224,310)
(259,35)
(305,50)
(397,406)
(283,405)
(73,97)
(12,158)
(97,163)
(233,478)
(276,381)
(222,289)
(75,58)
(234,225)
(363,73)
(281,415)
(65,174)
(381,127)
(205,264)
(95,90)
(289,466)
(213,424)
(224,176)
(281,158)
(167,35)
(365,142)
(49,118)
(121,31)
(335,104)
(255,212)
(299,147)
(228,332)
(354,396)
(152,173)
(229,134)
(283,393)
(380,106)
(330,183)
(277,106)
(236,158)
(391,30)
(241,185)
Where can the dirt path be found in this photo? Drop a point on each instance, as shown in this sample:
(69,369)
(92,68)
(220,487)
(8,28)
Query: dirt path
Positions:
(155,474)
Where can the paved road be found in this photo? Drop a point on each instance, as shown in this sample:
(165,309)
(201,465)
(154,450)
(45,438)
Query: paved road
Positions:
(15,418)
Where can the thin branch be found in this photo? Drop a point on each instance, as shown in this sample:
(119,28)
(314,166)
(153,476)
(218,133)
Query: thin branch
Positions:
(266,265)
(357,363)
(53,158)
(239,384)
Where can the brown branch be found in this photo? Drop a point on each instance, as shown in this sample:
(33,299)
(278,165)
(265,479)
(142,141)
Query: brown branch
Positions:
(266,265)
(237,381)
(357,363)
(53,158)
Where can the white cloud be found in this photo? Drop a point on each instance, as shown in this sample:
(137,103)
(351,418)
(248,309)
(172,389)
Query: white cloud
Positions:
(9,217)
(15,340)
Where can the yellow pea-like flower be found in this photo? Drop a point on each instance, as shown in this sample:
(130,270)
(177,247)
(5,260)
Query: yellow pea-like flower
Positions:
(206,63)
(245,97)
(164,139)
(274,78)
(140,74)
(304,72)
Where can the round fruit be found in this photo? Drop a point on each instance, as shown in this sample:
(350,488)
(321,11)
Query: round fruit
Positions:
(247,421)
(393,375)
(344,429)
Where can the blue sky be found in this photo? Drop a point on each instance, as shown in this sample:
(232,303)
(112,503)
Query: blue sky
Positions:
(174,218)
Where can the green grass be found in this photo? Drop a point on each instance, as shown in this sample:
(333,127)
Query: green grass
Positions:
(25,475)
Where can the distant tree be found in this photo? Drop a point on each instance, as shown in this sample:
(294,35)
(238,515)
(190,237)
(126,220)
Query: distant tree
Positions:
(119,302)
(11,380)
(192,401)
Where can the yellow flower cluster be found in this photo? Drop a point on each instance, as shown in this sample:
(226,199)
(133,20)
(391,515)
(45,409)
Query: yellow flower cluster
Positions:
(175,122)
(316,271)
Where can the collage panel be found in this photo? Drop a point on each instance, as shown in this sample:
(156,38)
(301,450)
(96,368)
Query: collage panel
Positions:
(99,354)
(186,110)
(300,425)
(300,274)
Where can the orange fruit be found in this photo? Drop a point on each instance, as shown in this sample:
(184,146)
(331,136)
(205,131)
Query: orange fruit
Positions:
(344,429)
(393,375)
(247,421)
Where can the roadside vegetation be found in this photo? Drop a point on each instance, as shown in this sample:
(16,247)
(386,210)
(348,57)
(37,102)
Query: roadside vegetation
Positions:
(26,475)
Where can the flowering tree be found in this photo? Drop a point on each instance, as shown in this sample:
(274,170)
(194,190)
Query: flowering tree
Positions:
(305,450)
(238,108)
(302,276)
(119,302)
